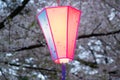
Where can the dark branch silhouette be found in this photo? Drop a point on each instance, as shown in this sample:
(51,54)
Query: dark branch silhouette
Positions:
(79,37)
(115,6)
(31,47)
(96,27)
(27,67)
(3,74)
(14,13)
(88,63)
(99,34)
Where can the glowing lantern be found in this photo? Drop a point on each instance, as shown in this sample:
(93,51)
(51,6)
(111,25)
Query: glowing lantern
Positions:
(60,26)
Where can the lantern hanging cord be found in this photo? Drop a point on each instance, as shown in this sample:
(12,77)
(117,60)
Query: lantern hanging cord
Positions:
(63,71)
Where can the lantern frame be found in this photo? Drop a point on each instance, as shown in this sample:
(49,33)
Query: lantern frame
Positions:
(61,59)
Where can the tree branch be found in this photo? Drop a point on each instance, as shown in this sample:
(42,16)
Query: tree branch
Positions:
(93,54)
(96,28)
(30,47)
(3,74)
(88,63)
(27,67)
(112,5)
(14,13)
(99,34)
(79,37)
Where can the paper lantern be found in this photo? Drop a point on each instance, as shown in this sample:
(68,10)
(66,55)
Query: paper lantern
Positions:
(60,26)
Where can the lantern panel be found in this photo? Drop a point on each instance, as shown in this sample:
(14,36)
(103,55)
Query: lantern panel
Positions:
(73,20)
(58,22)
(43,21)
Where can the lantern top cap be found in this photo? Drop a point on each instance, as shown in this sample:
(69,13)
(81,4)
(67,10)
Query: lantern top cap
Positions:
(58,7)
